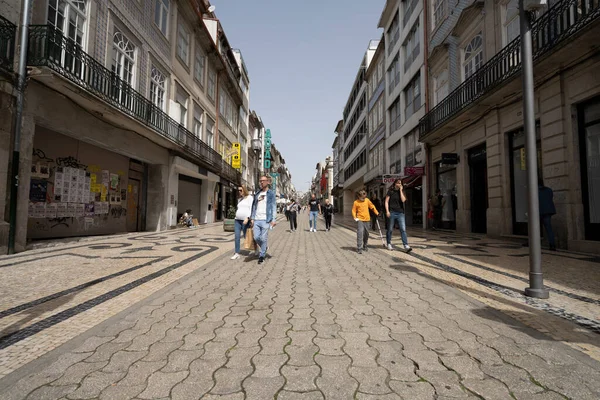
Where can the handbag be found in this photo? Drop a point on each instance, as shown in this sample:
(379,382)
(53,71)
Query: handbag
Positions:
(249,241)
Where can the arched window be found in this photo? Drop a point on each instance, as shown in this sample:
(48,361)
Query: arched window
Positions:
(473,55)
(123,57)
(69,17)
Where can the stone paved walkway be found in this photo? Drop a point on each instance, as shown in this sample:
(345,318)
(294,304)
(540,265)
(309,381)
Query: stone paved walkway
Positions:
(315,321)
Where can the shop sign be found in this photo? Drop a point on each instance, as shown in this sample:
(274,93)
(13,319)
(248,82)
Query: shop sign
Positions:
(267,155)
(414,171)
(449,158)
(385,179)
(236,158)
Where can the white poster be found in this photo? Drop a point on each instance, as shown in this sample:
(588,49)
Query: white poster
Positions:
(61,210)
(51,210)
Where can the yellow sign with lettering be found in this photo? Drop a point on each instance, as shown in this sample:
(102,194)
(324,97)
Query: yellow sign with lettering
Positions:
(236,158)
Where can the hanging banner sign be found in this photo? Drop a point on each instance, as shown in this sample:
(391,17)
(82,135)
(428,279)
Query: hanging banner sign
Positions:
(236,158)
(267,155)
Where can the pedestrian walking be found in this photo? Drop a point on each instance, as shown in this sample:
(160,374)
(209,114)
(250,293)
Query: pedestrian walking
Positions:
(361,214)
(242,217)
(263,215)
(293,209)
(438,202)
(377,205)
(327,213)
(547,210)
(394,209)
(315,209)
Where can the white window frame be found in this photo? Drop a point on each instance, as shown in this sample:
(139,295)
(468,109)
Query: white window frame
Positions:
(183,43)
(473,56)
(161,16)
(158,87)
(182,99)
(440,87)
(198,121)
(211,83)
(439,9)
(199,65)
(123,64)
(510,21)
(210,133)
(73,11)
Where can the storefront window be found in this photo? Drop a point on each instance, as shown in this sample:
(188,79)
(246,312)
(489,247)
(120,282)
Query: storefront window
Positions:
(590,167)
(446,182)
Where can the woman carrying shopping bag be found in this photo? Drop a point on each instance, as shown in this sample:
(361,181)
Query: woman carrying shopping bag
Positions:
(242,217)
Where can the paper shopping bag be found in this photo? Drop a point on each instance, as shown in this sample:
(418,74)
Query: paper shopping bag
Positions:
(249,242)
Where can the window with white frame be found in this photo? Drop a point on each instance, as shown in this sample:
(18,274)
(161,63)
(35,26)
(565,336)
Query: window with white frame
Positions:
(439,12)
(158,87)
(473,56)
(199,65)
(183,43)
(222,102)
(412,46)
(181,99)
(440,86)
(161,15)
(210,133)
(511,21)
(123,64)
(412,95)
(69,17)
(198,117)
(212,81)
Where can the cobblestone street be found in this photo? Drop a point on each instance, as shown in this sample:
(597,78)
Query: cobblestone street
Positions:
(169,315)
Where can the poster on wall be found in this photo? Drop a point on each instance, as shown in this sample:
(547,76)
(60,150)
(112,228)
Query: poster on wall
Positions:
(31,210)
(105,177)
(114,181)
(89,210)
(51,210)
(88,223)
(71,210)
(79,209)
(40,210)
(38,190)
(61,210)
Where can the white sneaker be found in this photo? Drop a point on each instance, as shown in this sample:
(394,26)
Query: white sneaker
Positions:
(235,256)
(389,246)
(407,248)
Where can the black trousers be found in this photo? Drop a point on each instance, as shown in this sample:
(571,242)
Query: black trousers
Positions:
(293,220)
(327,221)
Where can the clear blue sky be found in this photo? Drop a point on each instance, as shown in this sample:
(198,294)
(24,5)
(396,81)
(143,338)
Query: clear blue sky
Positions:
(302,57)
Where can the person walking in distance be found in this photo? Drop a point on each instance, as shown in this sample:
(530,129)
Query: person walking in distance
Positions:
(315,209)
(242,217)
(361,214)
(327,213)
(438,202)
(293,209)
(394,209)
(264,213)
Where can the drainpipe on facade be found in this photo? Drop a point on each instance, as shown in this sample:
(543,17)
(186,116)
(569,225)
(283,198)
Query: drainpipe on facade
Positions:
(18,123)
(428,168)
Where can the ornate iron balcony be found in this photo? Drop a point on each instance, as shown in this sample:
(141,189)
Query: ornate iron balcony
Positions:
(8,32)
(555,26)
(48,47)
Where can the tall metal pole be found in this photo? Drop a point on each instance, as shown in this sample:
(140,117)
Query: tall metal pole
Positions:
(536,280)
(18,123)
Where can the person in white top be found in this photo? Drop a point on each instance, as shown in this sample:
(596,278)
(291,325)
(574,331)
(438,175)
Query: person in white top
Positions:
(242,217)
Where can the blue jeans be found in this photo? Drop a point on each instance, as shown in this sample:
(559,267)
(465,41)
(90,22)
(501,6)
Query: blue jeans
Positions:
(312,219)
(240,229)
(397,216)
(547,222)
(261,235)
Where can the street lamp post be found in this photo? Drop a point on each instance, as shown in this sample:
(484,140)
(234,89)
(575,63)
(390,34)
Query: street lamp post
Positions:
(536,280)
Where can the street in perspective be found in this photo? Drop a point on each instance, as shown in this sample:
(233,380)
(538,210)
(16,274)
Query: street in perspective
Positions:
(438,238)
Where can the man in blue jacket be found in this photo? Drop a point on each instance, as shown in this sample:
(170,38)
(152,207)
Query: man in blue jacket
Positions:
(264,213)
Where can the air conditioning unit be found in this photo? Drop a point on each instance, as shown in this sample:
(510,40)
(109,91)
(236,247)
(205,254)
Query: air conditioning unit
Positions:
(534,5)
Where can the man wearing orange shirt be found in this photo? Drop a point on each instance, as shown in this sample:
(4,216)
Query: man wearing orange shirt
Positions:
(360,213)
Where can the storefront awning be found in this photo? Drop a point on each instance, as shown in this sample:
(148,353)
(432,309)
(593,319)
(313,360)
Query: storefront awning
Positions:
(412,181)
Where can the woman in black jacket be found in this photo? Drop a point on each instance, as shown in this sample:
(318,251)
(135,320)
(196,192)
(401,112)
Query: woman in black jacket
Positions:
(327,213)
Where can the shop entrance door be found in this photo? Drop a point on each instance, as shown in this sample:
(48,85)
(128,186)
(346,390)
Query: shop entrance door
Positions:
(133,205)
(589,147)
(479,190)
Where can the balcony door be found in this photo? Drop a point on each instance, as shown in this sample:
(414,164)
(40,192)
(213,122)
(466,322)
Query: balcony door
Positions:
(68,38)
(123,68)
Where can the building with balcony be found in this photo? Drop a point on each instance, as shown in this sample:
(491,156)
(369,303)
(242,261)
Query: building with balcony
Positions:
(256,156)
(245,138)
(337,187)
(474,131)
(404,34)
(354,134)
(129,107)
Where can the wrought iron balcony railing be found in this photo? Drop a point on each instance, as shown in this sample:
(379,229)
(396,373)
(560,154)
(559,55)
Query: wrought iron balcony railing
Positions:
(8,32)
(559,23)
(50,48)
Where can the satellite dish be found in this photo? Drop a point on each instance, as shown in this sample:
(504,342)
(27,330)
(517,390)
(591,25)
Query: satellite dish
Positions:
(211,9)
